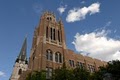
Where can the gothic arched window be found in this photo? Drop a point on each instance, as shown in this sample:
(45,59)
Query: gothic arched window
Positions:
(47,32)
(56,57)
(54,34)
(20,72)
(51,35)
(60,58)
(49,55)
(58,35)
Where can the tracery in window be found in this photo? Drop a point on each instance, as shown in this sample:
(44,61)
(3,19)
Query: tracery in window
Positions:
(58,57)
(48,72)
(49,55)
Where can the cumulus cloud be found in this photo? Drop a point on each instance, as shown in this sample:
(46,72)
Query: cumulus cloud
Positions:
(98,45)
(77,14)
(61,9)
(2,74)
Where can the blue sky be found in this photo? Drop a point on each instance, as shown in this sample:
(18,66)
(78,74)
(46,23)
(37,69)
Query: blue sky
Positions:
(92,27)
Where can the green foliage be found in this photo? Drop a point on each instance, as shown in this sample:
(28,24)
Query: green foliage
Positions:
(81,74)
(62,73)
(98,75)
(70,74)
(36,75)
(78,73)
(113,69)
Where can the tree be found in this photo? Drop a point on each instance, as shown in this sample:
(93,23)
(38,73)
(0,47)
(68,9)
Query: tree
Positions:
(36,75)
(81,74)
(62,73)
(70,74)
(111,70)
(113,67)
(99,75)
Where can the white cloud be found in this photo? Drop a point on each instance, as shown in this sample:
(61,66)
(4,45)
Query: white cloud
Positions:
(2,74)
(61,9)
(98,45)
(77,14)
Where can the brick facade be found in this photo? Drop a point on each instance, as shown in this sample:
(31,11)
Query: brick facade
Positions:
(49,48)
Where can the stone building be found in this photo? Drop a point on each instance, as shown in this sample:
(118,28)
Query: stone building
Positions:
(21,63)
(49,49)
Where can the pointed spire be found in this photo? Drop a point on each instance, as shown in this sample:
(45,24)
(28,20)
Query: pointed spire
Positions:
(22,55)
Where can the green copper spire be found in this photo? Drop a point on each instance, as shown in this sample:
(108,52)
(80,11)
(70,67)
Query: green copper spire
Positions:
(22,55)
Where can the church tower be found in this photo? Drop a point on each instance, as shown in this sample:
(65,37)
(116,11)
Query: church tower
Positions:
(49,51)
(48,47)
(21,63)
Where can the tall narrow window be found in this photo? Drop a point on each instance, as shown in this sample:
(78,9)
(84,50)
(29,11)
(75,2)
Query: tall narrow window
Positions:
(73,63)
(49,55)
(93,68)
(60,58)
(48,72)
(81,65)
(54,34)
(78,64)
(56,57)
(46,32)
(51,33)
(70,62)
(20,72)
(58,35)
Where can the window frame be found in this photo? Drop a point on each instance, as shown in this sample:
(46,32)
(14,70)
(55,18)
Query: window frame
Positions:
(49,55)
